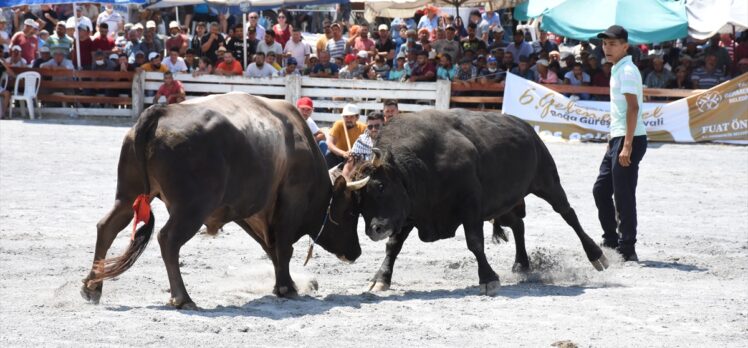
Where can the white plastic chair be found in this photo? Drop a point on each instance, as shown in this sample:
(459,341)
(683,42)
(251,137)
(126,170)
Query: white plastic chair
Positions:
(31,81)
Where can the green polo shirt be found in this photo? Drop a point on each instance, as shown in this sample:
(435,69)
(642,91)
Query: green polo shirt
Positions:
(625,79)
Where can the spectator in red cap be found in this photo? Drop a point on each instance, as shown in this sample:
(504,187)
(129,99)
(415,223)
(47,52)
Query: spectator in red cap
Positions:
(306,108)
(351,69)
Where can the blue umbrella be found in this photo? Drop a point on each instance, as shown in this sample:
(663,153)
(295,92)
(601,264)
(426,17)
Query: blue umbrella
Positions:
(646,21)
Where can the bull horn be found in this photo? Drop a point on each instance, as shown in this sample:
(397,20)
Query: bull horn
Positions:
(357,185)
(378,155)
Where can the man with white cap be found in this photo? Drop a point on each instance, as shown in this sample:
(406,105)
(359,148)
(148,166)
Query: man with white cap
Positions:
(176,39)
(154,64)
(16,59)
(27,40)
(342,135)
(113,19)
(81,19)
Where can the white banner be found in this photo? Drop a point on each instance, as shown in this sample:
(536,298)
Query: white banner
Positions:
(685,120)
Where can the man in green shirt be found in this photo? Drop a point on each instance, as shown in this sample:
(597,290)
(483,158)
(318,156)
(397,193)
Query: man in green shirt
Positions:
(628,142)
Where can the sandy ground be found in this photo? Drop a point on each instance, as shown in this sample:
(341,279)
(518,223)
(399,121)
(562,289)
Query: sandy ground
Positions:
(57,180)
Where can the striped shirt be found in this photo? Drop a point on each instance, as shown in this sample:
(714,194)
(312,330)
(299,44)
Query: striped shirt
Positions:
(336,48)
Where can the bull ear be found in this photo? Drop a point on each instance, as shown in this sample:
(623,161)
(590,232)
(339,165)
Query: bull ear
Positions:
(357,185)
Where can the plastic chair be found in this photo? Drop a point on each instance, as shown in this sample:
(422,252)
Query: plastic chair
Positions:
(31,81)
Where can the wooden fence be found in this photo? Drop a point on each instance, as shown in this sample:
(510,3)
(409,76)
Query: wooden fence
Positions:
(101,93)
(329,95)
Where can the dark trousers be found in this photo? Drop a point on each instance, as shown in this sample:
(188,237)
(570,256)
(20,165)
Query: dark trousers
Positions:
(616,183)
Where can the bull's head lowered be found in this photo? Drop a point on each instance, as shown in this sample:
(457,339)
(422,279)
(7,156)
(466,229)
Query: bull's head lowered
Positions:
(383,200)
(340,235)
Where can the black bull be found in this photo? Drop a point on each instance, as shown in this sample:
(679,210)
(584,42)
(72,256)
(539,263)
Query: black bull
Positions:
(226,158)
(437,170)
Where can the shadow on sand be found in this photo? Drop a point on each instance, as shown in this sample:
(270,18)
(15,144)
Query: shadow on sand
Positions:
(275,308)
(674,265)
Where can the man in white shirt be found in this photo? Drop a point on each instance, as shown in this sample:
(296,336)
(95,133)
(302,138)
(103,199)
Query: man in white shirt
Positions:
(259,68)
(297,49)
(253,23)
(175,63)
(269,44)
(111,18)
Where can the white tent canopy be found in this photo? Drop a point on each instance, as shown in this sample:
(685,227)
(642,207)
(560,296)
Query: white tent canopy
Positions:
(251,3)
(405,8)
(708,17)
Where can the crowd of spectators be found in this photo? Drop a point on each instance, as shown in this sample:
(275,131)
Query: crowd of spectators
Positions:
(426,47)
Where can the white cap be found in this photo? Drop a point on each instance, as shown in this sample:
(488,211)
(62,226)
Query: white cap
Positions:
(173,24)
(137,26)
(383,27)
(113,56)
(432,54)
(70,23)
(44,49)
(498,29)
(542,62)
(362,54)
(350,110)
(150,24)
(32,23)
(16,48)
(153,55)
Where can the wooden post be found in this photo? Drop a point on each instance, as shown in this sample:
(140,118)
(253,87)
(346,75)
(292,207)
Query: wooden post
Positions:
(293,88)
(443,93)
(138,94)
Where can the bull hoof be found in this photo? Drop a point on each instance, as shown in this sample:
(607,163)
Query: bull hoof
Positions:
(379,286)
(286,291)
(490,289)
(520,268)
(601,264)
(183,305)
(91,292)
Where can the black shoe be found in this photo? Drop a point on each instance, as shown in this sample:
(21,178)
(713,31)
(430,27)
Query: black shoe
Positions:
(628,254)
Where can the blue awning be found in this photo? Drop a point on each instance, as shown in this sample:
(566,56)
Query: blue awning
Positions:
(11,3)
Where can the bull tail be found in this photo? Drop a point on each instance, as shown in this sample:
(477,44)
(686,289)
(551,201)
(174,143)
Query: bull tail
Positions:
(145,130)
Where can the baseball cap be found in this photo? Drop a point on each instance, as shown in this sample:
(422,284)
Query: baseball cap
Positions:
(32,23)
(44,49)
(304,102)
(383,27)
(313,56)
(113,56)
(491,59)
(450,27)
(137,26)
(153,55)
(349,58)
(128,26)
(16,48)
(614,32)
(362,54)
(401,55)
(173,24)
(291,61)
(221,49)
(150,24)
(542,62)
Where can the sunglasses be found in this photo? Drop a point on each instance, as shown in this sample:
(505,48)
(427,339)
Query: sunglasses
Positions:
(374,126)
